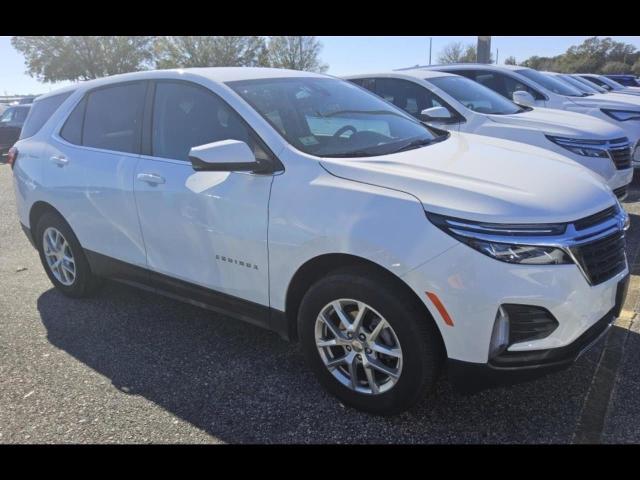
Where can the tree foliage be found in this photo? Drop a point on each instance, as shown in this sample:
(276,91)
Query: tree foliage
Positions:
(56,58)
(594,55)
(510,60)
(457,52)
(296,53)
(210,51)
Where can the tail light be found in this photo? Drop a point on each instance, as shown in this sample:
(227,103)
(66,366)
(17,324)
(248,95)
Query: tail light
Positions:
(12,156)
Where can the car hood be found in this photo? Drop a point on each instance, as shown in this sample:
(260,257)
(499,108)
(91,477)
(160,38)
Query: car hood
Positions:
(485,179)
(609,100)
(561,123)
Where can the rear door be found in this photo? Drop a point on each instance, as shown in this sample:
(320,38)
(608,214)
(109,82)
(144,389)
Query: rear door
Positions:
(207,229)
(89,168)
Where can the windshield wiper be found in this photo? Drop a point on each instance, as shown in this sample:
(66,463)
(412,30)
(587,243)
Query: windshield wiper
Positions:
(369,112)
(422,142)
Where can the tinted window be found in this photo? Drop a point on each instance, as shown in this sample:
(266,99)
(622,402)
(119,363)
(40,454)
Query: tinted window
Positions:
(474,96)
(40,112)
(550,83)
(15,115)
(503,84)
(185,116)
(409,96)
(72,129)
(113,118)
(333,118)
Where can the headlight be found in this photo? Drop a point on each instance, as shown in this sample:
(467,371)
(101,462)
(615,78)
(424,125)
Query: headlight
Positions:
(586,148)
(622,115)
(478,236)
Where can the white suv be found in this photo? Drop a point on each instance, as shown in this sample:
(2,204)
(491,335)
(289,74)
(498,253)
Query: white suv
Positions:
(304,204)
(532,88)
(453,102)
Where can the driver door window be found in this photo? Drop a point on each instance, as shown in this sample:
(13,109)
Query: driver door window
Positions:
(410,97)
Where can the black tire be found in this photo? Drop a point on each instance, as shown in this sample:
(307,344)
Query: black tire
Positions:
(85,283)
(421,344)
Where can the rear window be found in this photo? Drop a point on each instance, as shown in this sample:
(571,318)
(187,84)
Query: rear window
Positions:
(41,111)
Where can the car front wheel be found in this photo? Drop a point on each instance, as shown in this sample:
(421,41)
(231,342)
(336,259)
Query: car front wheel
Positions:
(368,342)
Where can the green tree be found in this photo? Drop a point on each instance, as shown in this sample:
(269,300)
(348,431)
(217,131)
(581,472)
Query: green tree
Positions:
(510,60)
(616,67)
(210,51)
(591,56)
(56,58)
(636,67)
(296,53)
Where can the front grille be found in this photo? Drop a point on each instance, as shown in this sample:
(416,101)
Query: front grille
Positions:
(621,192)
(602,259)
(596,218)
(620,153)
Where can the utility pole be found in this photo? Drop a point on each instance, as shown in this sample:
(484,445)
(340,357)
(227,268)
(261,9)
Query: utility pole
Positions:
(430,45)
(497,55)
(483,49)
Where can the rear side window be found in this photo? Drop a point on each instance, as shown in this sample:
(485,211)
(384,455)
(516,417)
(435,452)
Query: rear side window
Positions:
(503,84)
(113,118)
(41,111)
(186,116)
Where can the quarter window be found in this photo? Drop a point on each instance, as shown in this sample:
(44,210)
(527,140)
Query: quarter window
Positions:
(41,111)
(113,118)
(185,116)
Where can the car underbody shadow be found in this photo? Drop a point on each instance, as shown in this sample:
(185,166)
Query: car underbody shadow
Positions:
(242,384)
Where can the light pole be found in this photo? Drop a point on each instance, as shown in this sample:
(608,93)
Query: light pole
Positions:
(484,49)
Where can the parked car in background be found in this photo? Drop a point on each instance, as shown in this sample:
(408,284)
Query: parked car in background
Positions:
(305,204)
(11,122)
(453,102)
(532,88)
(609,84)
(626,80)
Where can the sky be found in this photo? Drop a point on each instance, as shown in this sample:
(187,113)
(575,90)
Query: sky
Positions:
(345,55)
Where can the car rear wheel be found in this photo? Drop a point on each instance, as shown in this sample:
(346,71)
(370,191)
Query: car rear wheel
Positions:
(63,258)
(368,342)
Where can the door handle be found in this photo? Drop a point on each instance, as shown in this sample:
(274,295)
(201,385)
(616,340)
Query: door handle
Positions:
(151,178)
(59,160)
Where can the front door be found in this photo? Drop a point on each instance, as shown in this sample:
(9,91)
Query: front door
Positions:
(204,229)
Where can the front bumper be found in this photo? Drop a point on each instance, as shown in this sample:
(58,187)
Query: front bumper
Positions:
(518,367)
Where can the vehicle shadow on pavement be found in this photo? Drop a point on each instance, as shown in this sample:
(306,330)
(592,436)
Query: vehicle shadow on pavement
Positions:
(242,384)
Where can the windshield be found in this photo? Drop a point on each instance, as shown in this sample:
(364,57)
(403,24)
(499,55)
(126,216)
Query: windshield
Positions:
(328,117)
(589,84)
(475,96)
(586,91)
(612,83)
(550,83)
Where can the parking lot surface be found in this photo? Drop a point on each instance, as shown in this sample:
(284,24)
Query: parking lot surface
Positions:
(131,367)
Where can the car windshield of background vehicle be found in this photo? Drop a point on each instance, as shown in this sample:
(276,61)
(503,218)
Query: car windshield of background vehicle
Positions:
(550,83)
(587,83)
(474,96)
(326,117)
(572,83)
(612,83)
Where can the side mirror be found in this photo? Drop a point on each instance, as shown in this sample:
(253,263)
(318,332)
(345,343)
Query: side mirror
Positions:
(224,156)
(523,98)
(436,113)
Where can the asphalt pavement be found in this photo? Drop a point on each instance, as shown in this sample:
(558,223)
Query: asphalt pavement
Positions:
(129,366)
